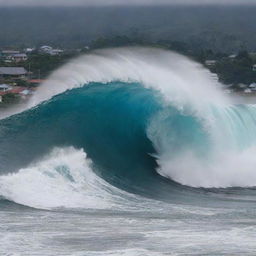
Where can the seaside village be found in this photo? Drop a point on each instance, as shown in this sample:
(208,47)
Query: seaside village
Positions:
(17,80)
(22,71)
(242,88)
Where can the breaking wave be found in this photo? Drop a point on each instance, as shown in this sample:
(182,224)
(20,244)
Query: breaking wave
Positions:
(137,113)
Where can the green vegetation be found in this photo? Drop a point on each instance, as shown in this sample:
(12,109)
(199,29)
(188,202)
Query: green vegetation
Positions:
(119,40)
(41,65)
(9,98)
(237,70)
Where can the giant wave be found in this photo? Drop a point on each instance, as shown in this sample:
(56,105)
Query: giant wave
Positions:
(149,121)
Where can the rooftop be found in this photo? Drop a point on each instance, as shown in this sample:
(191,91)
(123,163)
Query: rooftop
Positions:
(36,81)
(12,71)
(18,55)
(4,86)
(10,51)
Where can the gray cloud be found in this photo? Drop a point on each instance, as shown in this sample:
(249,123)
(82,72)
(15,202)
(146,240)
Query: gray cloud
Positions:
(118,2)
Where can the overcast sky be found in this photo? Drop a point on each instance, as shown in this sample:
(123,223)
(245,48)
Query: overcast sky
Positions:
(116,2)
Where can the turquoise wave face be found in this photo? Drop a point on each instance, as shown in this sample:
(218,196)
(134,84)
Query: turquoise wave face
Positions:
(107,121)
(132,135)
(110,122)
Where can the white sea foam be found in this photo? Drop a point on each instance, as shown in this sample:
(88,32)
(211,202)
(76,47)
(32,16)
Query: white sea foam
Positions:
(228,158)
(64,178)
(227,170)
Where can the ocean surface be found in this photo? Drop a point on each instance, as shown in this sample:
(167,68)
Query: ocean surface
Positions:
(128,152)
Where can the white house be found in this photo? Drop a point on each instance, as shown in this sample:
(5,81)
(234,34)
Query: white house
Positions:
(49,50)
(232,56)
(29,50)
(46,49)
(5,87)
(252,86)
(56,52)
(19,57)
(247,90)
(210,63)
(6,53)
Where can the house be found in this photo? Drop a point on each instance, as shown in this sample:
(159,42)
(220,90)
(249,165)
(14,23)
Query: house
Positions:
(29,50)
(4,90)
(6,53)
(17,91)
(24,94)
(252,86)
(49,50)
(19,57)
(36,82)
(228,91)
(210,63)
(45,48)
(13,72)
(232,56)
(247,90)
(215,77)
(56,52)
(254,67)
(13,56)
(5,87)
